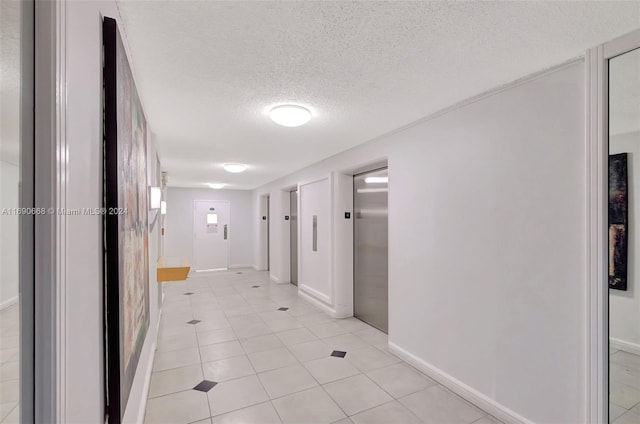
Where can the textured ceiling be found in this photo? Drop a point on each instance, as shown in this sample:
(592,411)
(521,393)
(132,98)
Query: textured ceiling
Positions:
(208,72)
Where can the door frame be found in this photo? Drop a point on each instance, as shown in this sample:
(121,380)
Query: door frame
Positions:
(289,193)
(597,154)
(263,232)
(363,171)
(44,267)
(193,237)
(268,215)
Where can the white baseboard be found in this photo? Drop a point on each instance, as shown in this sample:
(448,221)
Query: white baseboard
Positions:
(343,313)
(239,266)
(142,407)
(9,302)
(278,280)
(629,347)
(315,302)
(470,394)
(147,385)
(316,294)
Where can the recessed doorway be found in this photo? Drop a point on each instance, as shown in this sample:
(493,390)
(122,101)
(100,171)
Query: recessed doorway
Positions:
(371,240)
(293,223)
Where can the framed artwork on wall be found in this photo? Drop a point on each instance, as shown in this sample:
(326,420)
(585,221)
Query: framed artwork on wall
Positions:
(618,221)
(126,267)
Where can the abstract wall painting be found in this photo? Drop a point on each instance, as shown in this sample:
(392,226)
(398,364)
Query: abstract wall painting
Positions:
(618,221)
(126,268)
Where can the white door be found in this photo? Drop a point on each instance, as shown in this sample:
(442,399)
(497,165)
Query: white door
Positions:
(210,235)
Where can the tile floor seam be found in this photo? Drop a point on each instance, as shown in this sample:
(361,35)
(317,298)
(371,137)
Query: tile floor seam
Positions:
(169,394)
(380,387)
(451,392)
(245,407)
(383,404)
(343,378)
(619,406)
(10,411)
(386,391)
(276,409)
(265,389)
(327,393)
(409,410)
(203,374)
(240,408)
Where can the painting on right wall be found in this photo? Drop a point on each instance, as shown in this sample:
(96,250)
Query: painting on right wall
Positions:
(618,217)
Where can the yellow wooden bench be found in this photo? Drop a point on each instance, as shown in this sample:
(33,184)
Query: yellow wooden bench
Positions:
(173,268)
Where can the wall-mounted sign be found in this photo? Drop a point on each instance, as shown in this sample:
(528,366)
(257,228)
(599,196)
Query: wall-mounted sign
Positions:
(212,221)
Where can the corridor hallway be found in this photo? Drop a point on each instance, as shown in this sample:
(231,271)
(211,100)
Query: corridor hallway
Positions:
(234,347)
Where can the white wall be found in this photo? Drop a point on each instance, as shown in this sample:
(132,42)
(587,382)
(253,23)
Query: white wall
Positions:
(178,238)
(84,401)
(624,306)
(343,245)
(9,243)
(487,244)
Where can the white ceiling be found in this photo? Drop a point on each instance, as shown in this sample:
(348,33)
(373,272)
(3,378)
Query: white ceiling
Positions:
(208,71)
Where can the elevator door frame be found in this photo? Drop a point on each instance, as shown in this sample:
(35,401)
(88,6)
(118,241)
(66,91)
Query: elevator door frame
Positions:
(293,237)
(597,308)
(368,171)
(268,215)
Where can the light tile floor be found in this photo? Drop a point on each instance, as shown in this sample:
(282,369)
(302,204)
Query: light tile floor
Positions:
(275,366)
(624,391)
(9,365)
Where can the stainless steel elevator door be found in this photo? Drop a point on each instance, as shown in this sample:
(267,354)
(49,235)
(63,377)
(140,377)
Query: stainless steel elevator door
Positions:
(293,222)
(371,239)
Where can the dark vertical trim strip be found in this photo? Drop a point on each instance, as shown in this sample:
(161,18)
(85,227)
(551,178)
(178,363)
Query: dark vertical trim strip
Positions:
(111,275)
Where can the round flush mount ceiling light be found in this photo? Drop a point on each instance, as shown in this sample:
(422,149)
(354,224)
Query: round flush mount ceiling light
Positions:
(216,186)
(235,168)
(290,115)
